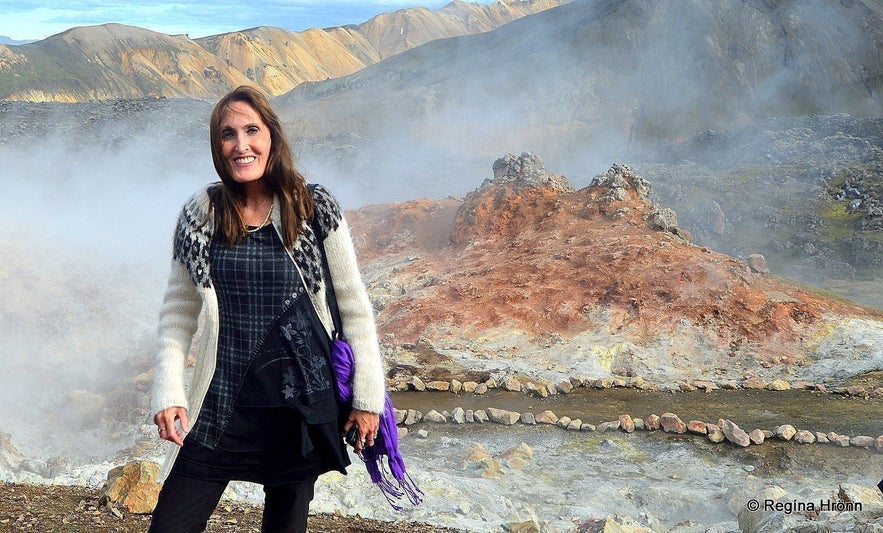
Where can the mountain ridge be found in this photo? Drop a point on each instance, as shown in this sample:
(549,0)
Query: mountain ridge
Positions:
(115,61)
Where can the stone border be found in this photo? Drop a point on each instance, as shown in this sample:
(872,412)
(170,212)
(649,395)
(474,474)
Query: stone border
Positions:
(544,388)
(723,430)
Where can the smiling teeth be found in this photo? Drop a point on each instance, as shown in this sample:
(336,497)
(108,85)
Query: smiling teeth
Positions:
(244,160)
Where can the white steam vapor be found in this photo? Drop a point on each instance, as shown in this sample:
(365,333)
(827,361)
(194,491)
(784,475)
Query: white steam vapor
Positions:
(89,224)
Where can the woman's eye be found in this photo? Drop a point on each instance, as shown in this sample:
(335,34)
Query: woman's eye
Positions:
(253,130)
(226,134)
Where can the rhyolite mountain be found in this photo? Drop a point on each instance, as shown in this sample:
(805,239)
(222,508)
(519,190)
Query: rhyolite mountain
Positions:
(113,61)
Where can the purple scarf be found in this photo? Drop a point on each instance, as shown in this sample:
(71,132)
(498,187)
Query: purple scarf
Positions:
(386,444)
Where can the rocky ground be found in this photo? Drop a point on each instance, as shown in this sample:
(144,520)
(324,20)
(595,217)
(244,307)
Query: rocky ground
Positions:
(63,509)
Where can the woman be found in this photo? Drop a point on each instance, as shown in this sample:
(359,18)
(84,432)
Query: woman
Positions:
(255,254)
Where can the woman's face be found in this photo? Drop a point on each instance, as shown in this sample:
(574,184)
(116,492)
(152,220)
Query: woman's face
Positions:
(245,142)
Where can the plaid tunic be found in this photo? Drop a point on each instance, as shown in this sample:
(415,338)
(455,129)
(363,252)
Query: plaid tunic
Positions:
(255,282)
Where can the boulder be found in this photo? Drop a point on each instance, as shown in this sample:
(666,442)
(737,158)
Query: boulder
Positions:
(547,417)
(414,416)
(715,433)
(502,416)
(735,434)
(757,436)
(132,486)
(804,437)
(698,427)
(757,263)
(652,422)
(512,385)
(785,432)
(672,423)
(627,424)
(779,385)
(862,441)
(442,386)
(435,416)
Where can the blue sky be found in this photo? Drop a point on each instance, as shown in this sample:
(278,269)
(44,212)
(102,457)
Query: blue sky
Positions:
(37,19)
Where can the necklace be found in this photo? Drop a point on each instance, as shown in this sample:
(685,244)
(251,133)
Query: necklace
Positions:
(264,223)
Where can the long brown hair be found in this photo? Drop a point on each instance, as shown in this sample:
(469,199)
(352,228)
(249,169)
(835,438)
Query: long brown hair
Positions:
(281,177)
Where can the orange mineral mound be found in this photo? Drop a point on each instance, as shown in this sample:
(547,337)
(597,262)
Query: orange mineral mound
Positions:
(527,253)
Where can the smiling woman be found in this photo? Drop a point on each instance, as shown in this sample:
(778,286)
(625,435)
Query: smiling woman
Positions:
(257,255)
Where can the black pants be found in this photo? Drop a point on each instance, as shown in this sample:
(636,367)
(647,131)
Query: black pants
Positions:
(185,505)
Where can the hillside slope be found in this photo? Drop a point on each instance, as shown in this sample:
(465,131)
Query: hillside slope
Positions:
(113,61)
(614,74)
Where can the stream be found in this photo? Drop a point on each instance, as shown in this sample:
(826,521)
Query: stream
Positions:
(659,480)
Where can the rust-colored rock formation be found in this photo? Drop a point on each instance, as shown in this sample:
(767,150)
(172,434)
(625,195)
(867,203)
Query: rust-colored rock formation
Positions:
(592,278)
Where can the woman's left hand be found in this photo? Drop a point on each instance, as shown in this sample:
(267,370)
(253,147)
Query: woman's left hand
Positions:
(368,424)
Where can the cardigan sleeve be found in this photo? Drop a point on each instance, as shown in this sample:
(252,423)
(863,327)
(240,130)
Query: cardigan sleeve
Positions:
(178,321)
(356,311)
(182,303)
(177,324)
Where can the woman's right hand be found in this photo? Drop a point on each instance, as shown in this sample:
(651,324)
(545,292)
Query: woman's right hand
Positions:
(167,421)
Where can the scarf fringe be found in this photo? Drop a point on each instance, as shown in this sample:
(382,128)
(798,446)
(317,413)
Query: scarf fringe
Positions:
(383,461)
(393,486)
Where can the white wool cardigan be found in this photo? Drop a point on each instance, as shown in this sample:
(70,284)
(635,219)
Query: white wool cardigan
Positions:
(185,299)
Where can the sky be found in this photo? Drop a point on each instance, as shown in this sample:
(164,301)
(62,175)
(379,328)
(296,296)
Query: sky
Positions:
(25,20)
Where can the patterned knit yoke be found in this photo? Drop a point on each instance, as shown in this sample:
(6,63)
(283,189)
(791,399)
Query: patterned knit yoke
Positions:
(195,228)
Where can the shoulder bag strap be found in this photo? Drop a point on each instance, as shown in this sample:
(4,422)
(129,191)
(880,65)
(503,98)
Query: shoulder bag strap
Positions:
(326,271)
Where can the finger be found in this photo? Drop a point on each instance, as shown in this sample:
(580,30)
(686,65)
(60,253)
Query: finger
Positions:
(185,422)
(167,427)
(366,437)
(163,423)
(165,419)
(164,432)
(172,434)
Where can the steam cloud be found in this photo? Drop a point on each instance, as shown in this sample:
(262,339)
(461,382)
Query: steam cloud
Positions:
(88,219)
